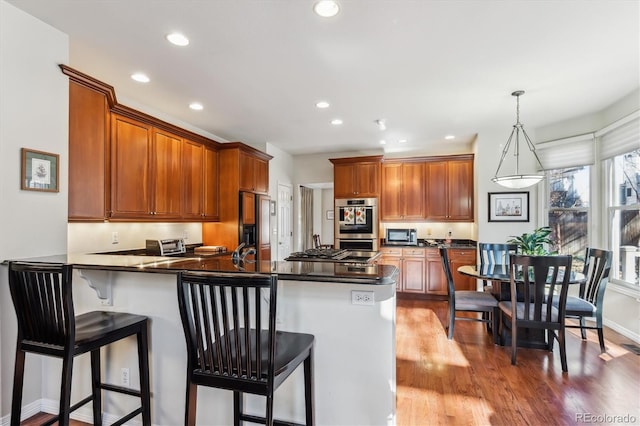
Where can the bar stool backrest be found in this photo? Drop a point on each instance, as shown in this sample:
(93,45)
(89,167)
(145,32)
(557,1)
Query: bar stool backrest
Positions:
(43,300)
(230,333)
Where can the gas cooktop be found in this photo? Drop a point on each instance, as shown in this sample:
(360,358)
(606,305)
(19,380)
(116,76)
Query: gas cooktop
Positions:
(319,254)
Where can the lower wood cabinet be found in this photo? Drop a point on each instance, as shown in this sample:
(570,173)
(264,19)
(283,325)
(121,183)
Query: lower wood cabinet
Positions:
(460,257)
(420,269)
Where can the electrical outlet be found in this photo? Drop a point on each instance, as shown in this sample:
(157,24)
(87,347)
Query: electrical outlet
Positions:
(114,238)
(124,377)
(185,234)
(362,297)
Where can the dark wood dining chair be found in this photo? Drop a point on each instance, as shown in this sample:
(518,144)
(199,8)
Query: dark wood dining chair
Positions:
(43,300)
(317,243)
(590,299)
(468,301)
(495,254)
(534,282)
(231,346)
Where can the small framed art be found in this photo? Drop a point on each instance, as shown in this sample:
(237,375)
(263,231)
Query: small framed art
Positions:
(508,207)
(40,171)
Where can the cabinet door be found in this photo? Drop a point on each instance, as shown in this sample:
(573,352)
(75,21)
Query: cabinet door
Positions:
(436,190)
(88,153)
(246,172)
(130,175)
(460,188)
(166,178)
(211,185)
(414,272)
(413,191)
(367,179)
(343,180)
(193,182)
(264,228)
(436,281)
(461,257)
(261,175)
(391,198)
(248,200)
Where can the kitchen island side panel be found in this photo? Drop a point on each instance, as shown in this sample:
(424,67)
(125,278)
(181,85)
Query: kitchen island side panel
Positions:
(354,352)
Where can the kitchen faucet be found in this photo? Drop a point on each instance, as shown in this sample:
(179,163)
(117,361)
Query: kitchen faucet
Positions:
(236,253)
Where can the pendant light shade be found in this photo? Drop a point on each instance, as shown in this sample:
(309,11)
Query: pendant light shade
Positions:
(517,180)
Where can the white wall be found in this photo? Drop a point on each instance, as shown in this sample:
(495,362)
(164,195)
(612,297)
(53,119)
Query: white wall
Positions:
(33,114)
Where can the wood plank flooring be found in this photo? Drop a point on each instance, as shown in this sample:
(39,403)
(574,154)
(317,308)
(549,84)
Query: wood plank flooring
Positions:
(470,381)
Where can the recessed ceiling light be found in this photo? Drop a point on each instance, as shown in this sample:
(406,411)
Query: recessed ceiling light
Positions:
(178,39)
(139,77)
(402,141)
(326,8)
(336,122)
(383,142)
(196,106)
(381,124)
(449,137)
(322,104)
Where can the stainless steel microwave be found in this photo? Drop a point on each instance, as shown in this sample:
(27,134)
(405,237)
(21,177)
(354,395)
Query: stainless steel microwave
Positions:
(402,236)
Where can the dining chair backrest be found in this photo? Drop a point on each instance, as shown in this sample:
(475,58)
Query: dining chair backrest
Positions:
(224,315)
(537,279)
(496,253)
(446,266)
(43,302)
(597,266)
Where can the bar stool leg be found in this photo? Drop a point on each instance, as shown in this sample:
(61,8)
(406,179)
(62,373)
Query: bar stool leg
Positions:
(237,407)
(65,388)
(95,387)
(191,399)
(18,381)
(308,389)
(143,366)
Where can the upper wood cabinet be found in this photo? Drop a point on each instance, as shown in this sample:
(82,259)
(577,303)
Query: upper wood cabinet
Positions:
(356,177)
(211,211)
(128,166)
(254,173)
(200,182)
(146,171)
(449,189)
(402,196)
(89,133)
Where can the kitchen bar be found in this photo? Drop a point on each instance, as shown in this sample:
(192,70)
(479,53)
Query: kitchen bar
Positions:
(355,344)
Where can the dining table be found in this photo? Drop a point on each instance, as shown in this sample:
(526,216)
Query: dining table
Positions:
(499,276)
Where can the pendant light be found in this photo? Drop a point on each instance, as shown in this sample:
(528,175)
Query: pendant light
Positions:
(517,180)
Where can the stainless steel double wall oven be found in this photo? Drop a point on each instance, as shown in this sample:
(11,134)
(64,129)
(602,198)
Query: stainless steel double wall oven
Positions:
(356,224)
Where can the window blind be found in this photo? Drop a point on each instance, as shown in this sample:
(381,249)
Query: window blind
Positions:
(620,137)
(567,152)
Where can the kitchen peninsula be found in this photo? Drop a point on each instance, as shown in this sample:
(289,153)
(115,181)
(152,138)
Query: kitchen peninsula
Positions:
(355,344)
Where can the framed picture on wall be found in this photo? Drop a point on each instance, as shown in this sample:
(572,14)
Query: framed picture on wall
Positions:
(508,207)
(40,171)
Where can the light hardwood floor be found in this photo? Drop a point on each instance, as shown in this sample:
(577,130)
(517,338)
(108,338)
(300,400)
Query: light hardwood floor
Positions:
(470,381)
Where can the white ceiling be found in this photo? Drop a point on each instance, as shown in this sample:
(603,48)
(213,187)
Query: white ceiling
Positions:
(430,68)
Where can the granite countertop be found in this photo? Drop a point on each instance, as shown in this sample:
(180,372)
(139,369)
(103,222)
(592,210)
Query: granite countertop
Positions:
(299,271)
(435,243)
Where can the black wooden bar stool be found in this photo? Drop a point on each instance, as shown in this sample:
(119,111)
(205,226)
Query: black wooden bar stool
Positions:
(47,325)
(230,345)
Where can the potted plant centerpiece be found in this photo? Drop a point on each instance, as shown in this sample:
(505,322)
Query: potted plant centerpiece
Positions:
(533,243)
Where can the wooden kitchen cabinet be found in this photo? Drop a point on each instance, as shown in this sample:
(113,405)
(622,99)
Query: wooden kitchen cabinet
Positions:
(356,177)
(449,189)
(402,196)
(254,173)
(200,182)
(411,266)
(146,171)
(436,280)
(460,257)
(89,134)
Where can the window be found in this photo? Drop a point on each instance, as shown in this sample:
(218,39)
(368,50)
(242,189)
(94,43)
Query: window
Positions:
(624,215)
(568,211)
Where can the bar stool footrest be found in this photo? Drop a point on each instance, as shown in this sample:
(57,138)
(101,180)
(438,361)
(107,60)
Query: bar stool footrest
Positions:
(120,389)
(262,420)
